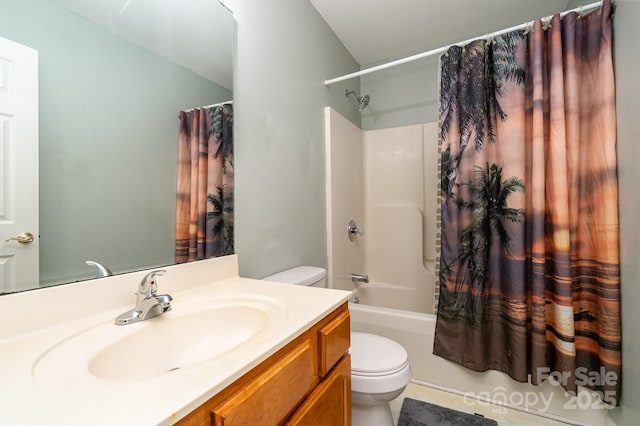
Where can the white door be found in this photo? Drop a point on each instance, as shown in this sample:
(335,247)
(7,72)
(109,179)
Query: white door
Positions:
(18,167)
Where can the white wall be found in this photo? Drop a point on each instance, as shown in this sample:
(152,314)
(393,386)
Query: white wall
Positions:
(285,51)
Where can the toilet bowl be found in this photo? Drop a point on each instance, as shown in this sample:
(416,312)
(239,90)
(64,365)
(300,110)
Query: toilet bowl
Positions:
(379,366)
(379,373)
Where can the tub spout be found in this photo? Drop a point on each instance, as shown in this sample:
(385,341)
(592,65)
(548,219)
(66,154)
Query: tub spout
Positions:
(357,278)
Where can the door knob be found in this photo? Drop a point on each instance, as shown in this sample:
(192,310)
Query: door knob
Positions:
(24,238)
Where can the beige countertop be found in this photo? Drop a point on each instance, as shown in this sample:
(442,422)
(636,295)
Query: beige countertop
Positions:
(36,391)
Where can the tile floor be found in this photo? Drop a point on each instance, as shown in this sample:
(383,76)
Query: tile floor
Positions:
(504,416)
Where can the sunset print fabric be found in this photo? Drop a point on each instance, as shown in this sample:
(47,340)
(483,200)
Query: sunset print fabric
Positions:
(529,260)
(204,205)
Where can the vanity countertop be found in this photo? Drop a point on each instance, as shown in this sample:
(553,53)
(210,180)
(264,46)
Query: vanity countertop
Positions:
(30,393)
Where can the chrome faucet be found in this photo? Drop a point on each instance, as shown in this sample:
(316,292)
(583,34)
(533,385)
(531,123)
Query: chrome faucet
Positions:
(360,278)
(101,270)
(148,303)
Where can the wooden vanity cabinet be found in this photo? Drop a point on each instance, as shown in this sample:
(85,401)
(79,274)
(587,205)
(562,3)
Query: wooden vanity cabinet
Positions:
(308,382)
(330,403)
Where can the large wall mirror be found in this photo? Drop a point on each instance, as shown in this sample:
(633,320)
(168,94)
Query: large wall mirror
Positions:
(112,78)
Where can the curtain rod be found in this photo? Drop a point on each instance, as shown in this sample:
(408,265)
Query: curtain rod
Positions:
(210,106)
(585,8)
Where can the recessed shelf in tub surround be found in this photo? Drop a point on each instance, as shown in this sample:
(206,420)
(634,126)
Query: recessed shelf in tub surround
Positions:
(86,388)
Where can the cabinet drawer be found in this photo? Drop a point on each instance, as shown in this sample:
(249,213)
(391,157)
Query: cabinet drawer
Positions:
(334,341)
(270,397)
(330,402)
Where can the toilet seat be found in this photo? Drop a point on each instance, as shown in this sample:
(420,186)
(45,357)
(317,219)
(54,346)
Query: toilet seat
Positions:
(378,365)
(379,373)
(373,355)
(381,384)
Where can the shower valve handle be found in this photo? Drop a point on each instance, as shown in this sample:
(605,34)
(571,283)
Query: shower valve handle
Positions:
(353,231)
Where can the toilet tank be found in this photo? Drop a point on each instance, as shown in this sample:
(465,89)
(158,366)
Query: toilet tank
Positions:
(301,275)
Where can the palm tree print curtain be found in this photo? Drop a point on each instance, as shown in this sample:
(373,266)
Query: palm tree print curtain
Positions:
(204,208)
(529,263)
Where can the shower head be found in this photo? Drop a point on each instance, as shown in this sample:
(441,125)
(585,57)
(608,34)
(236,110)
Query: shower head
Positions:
(363,101)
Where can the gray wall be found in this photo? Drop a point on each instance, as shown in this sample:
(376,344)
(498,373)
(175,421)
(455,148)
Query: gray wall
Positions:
(408,94)
(627,62)
(108,141)
(284,53)
(402,95)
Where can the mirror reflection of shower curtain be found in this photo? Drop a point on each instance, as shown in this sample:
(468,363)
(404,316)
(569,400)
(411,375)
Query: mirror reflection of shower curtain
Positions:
(204,207)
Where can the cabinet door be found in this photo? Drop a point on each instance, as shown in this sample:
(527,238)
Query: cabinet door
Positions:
(334,340)
(271,397)
(330,403)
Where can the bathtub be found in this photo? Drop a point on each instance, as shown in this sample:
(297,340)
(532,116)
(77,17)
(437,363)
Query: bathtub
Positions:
(415,331)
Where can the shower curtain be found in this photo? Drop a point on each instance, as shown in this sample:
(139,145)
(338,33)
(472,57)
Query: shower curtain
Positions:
(204,207)
(529,260)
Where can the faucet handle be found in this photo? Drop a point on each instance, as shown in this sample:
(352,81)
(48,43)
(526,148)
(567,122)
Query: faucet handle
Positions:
(148,284)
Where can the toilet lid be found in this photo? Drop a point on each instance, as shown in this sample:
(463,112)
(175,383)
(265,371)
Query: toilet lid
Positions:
(374,355)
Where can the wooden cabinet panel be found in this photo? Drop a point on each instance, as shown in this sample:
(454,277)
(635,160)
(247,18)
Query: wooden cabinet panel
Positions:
(334,341)
(330,402)
(269,399)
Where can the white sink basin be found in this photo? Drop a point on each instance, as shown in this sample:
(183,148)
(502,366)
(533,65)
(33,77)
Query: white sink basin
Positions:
(204,331)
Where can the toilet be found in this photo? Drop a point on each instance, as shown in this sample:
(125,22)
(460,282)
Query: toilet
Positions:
(301,275)
(379,366)
(379,373)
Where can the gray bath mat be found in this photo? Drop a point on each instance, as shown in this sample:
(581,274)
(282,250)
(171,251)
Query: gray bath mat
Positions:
(420,413)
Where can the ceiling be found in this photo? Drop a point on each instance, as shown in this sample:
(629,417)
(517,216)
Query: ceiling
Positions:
(197,34)
(373,31)
(376,31)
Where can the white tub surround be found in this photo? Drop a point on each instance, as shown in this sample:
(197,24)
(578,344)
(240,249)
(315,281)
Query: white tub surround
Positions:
(34,324)
(385,180)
